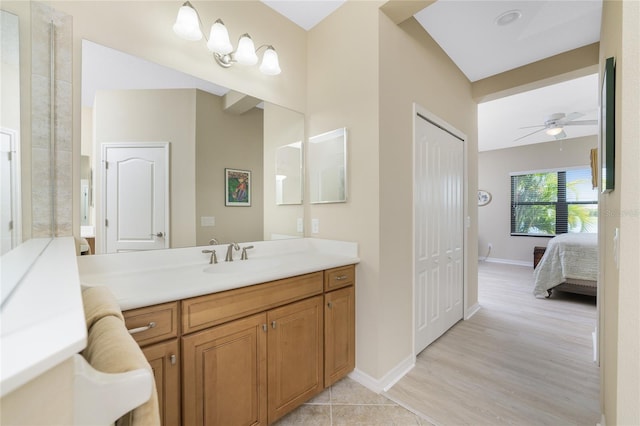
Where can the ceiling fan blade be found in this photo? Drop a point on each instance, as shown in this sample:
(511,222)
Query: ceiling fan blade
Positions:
(571,117)
(582,123)
(532,127)
(532,133)
(561,135)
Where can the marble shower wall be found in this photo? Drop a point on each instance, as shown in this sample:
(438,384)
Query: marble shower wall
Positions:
(51,122)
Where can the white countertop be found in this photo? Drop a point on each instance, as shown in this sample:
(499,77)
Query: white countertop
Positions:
(147,278)
(42,320)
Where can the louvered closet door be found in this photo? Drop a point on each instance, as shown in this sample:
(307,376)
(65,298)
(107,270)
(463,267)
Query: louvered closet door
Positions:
(439,233)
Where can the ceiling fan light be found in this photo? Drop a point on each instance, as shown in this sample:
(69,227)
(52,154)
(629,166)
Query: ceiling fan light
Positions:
(219,39)
(246,53)
(554,131)
(187,24)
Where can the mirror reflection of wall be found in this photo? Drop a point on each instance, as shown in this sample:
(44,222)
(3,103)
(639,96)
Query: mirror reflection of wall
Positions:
(328,167)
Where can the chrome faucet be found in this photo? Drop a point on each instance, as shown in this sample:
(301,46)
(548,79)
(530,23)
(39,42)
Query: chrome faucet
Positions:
(213,259)
(213,242)
(243,256)
(230,248)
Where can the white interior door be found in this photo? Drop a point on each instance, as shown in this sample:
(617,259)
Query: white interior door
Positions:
(136,207)
(439,232)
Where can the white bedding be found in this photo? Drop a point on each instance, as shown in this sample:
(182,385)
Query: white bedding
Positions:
(567,256)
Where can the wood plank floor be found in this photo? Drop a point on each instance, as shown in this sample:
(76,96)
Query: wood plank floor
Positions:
(519,360)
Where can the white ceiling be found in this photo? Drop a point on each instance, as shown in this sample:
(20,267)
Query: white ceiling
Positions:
(305,13)
(467,32)
(500,121)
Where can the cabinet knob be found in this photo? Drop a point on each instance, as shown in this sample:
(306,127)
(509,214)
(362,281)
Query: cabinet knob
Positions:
(273,324)
(264,327)
(330,305)
(172,359)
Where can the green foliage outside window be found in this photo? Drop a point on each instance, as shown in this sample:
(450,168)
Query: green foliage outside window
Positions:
(552,203)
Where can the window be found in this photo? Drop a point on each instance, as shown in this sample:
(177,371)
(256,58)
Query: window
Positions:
(553,202)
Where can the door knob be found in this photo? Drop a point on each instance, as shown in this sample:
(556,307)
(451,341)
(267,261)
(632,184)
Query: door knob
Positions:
(159,235)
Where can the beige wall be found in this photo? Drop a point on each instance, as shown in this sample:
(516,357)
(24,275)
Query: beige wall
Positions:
(494,168)
(343,92)
(374,101)
(227,140)
(620,294)
(153,116)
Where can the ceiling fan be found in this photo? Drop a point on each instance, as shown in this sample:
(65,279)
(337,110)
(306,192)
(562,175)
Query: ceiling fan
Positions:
(554,124)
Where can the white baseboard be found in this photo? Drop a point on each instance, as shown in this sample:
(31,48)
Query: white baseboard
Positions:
(602,421)
(472,311)
(509,261)
(389,379)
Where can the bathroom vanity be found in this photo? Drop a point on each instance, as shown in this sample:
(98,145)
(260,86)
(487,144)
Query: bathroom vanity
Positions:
(251,341)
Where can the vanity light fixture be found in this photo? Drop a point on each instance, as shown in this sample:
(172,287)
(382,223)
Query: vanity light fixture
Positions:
(188,26)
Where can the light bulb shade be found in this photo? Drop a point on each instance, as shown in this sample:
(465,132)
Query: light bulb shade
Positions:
(187,24)
(246,53)
(219,39)
(554,131)
(270,64)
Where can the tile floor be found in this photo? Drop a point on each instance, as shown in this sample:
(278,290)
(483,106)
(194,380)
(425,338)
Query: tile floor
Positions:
(349,403)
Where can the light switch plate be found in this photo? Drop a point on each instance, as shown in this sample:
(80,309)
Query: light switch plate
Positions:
(315,226)
(207,221)
(299,225)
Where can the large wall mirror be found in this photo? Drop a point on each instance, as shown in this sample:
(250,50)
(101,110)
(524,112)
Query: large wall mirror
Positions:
(10,221)
(128,100)
(328,167)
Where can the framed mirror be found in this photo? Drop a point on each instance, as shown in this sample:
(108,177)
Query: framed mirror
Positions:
(209,127)
(289,174)
(328,167)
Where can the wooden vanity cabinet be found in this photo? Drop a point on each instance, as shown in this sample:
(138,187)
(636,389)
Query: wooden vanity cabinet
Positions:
(225,374)
(163,358)
(156,329)
(253,354)
(339,334)
(295,354)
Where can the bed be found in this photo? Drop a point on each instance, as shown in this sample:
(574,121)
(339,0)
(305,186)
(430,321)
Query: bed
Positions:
(569,263)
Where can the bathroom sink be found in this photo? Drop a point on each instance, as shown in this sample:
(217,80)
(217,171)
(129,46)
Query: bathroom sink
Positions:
(240,266)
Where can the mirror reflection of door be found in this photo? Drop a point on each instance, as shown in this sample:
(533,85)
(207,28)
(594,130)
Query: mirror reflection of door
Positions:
(136,207)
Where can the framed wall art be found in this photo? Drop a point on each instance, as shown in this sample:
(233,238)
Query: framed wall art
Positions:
(607,127)
(237,187)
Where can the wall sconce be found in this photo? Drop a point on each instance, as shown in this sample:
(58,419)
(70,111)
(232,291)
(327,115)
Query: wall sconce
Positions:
(188,26)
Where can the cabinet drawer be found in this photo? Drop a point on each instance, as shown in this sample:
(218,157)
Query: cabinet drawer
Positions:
(339,277)
(153,323)
(206,311)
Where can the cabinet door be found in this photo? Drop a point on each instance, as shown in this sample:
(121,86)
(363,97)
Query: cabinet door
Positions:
(225,374)
(339,334)
(165,363)
(295,355)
